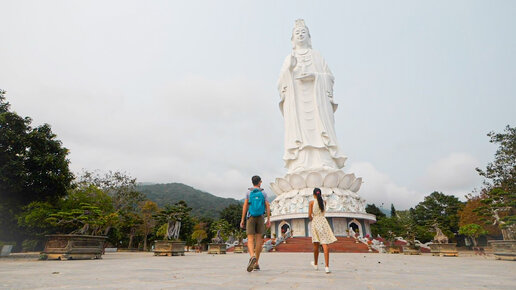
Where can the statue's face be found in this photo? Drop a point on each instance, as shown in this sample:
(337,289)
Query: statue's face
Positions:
(300,35)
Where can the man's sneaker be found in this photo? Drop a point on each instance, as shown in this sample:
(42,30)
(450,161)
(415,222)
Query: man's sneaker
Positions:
(252,262)
(327,270)
(256,267)
(313,265)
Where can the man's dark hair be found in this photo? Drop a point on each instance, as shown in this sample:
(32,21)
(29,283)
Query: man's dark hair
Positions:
(256,180)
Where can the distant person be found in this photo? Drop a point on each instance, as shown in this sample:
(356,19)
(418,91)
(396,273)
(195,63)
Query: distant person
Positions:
(321,231)
(255,207)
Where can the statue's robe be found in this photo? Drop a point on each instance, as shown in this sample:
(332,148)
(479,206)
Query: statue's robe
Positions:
(325,137)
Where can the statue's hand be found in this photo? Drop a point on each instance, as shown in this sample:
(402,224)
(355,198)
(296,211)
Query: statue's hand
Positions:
(306,77)
(293,62)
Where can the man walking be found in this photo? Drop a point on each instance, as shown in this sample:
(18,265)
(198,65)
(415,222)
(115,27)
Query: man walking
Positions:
(255,206)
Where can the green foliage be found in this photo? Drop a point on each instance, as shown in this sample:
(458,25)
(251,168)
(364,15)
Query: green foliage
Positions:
(29,245)
(441,209)
(232,214)
(202,203)
(373,209)
(499,195)
(87,219)
(502,171)
(33,218)
(401,225)
(199,233)
(500,205)
(177,212)
(33,167)
(118,185)
(226,230)
(472,230)
(393,210)
(85,208)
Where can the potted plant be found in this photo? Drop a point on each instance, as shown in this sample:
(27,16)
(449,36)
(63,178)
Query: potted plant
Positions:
(440,245)
(240,247)
(199,234)
(499,208)
(472,232)
(391,248)
(171,218)
(86,241)
(222,230)
(411,248)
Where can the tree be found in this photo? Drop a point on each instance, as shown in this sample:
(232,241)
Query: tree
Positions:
(129,224)
(502,171)
(468,215)
(199,234)
(500,205)
(232,214)
(125,200)
(173,216)
(147,211)
(473,231)
(33,167)
(499,194)
(120,186)
(373,209)
(386,227)
(393,210)
(223,228)
(441,209)
(85,210)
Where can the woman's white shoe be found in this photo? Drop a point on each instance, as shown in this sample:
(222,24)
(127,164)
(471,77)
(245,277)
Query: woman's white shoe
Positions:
(313,265)
(327,269)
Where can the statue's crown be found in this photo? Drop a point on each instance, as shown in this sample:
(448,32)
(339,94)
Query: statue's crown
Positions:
(300,23)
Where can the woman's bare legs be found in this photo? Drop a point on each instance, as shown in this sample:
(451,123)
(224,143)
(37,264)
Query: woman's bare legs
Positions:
(316,253)
(326,255)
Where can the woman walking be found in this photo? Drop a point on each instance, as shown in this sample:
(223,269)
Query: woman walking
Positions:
(321,231)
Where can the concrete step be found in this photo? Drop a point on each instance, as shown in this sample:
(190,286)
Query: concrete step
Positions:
(303,244)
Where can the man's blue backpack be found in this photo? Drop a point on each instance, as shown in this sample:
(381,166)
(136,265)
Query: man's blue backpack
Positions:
(256,203)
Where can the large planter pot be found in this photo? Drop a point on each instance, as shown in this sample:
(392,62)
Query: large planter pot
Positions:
(169,248)
(240,249)
(444,250)
(76,247)
(392,249)
(216,248)
(504,250)
(411,251)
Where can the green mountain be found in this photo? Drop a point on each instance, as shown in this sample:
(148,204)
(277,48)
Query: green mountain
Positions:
(203,204)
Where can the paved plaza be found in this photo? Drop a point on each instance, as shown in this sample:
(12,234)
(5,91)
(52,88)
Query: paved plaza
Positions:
(279,271)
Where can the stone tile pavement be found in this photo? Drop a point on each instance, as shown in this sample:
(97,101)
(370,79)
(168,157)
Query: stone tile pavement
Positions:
(279,271)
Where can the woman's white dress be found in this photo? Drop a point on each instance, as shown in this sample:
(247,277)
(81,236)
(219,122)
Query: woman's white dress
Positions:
(321,230)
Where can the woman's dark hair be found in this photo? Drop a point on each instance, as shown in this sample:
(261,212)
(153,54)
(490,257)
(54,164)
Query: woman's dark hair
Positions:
(320,202)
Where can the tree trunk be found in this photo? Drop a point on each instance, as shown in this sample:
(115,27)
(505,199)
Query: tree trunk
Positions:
(508,234)
(145,242)
(474,241)
(130,246)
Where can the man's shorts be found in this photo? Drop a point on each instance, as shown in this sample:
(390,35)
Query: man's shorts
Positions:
(255,225)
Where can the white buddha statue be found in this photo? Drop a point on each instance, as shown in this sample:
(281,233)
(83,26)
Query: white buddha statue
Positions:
(306,90)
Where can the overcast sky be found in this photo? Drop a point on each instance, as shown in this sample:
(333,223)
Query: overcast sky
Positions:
(185,91)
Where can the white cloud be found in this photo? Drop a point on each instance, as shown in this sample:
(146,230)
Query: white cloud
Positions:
(211,134)
(378,188)
(453,174)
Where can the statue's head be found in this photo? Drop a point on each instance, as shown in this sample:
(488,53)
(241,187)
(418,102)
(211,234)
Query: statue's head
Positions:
(301,35)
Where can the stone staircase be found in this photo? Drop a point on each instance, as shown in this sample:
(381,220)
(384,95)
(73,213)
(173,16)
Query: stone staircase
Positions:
(342,245)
